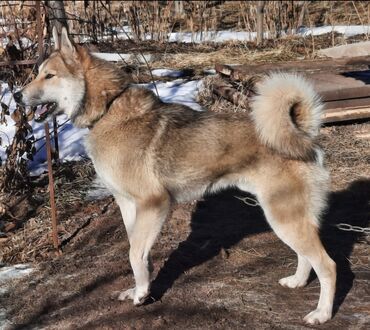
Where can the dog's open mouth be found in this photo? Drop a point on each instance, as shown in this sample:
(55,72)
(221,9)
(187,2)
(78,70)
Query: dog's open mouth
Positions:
(43,110)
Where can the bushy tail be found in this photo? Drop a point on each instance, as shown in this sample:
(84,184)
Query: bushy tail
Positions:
(286,113)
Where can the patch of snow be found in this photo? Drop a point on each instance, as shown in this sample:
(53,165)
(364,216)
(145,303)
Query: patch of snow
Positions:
(14,272)
(168,73)
(7,274)
(5,324)
(213,36)
(178,91)
(209,72)
(346,30)
(118,57)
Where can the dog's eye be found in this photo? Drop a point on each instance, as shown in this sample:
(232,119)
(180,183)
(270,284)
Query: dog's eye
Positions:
(49,76)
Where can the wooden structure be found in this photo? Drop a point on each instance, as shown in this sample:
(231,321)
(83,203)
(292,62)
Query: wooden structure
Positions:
(343,84)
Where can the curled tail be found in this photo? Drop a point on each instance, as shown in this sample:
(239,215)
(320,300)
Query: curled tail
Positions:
(287,114)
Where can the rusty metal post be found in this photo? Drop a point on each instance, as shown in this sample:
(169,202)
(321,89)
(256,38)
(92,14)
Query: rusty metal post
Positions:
(54,223)
(53,211)
(56,139)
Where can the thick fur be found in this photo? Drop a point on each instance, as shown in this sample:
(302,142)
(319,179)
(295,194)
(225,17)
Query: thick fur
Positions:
(287,114)
(151,154)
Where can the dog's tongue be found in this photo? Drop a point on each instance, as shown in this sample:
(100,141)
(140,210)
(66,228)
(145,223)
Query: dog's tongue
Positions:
(41,112)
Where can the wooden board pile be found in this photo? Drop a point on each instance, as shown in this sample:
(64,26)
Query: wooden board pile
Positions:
(344,84)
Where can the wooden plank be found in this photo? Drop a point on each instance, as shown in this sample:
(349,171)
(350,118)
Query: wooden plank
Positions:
(336,89)
(348,103)
(348,110)
(340,115)
(243,72)
(232,95)
(21,62)
(223,69)
(349,85)
(318,65)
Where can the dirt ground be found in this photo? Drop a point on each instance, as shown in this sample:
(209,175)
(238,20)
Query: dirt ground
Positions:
(217,263)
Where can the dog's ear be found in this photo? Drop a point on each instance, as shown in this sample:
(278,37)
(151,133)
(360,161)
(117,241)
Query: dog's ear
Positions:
(66,45)
(56,38)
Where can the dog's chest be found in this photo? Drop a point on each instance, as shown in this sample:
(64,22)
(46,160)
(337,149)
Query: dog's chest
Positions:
(102,164)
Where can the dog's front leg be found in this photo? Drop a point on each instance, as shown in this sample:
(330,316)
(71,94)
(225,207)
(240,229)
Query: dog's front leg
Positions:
(150,215)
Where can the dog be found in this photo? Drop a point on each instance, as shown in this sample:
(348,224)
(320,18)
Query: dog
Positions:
(152,154)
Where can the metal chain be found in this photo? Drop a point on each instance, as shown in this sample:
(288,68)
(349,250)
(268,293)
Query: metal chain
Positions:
(341,226)
(357,229)
(248,200)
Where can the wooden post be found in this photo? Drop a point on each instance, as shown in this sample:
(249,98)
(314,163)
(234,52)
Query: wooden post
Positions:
(260,10)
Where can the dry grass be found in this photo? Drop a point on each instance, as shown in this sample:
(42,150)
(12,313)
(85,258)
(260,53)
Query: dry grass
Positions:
(347,152)
(228,55)
(199,57)
(32,242)
(208,100)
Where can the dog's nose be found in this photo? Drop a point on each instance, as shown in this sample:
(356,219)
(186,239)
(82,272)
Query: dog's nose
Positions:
(18,97)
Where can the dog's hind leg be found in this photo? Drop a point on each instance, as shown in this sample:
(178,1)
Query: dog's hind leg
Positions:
(150,215)
(298,230)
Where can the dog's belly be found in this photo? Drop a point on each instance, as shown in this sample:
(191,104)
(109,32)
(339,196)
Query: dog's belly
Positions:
(193,190)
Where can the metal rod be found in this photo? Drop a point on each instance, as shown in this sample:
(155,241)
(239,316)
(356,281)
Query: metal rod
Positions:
(54,223)
(56,143)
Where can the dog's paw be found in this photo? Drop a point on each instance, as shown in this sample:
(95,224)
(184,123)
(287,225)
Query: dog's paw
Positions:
(318,316)
(127,294)
(292,282)
(138,296)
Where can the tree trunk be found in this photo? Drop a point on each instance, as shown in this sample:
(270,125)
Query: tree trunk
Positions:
(302,14)
(57,14)
(179,8)
(260,10)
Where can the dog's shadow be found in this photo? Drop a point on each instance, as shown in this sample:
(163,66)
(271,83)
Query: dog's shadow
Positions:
(221,221)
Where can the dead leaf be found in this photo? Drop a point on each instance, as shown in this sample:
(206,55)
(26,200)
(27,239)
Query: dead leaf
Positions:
(16,116)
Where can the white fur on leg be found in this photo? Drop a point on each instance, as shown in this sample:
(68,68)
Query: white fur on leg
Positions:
(318,316)
(137,295)
(128,210)
(325,269)
(127,294)
(300,277)
(147,226)
(292,282)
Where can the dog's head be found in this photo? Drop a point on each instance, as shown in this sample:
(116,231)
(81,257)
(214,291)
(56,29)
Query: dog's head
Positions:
(59,86)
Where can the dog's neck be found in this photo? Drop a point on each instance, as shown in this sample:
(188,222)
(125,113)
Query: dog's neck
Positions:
(103,84)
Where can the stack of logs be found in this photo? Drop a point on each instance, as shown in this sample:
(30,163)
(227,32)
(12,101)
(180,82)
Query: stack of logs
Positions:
(343,84)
